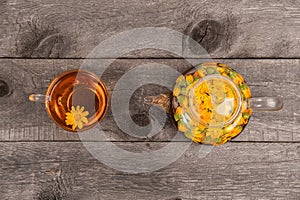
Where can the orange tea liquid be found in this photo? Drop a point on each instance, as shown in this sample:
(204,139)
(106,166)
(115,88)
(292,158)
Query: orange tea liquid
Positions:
(77,100)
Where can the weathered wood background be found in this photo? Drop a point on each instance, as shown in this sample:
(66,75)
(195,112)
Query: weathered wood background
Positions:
(40,39)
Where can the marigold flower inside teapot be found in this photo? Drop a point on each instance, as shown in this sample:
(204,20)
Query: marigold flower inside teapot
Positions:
(212,103)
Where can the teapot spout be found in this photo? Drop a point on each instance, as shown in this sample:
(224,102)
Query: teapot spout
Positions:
(163,101)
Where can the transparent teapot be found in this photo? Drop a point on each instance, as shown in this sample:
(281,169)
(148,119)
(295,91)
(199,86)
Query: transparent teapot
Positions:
(212,103)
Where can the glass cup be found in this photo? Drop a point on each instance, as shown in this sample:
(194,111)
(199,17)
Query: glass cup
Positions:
(75,100)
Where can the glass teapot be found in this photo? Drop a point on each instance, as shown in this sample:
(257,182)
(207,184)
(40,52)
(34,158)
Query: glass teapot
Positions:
(212,103)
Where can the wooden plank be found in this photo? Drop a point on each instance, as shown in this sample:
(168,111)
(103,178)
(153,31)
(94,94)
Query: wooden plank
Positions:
(71,29)
(22,120)
(43,170)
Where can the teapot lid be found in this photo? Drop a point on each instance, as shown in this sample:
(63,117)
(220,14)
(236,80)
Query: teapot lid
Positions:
(214,101)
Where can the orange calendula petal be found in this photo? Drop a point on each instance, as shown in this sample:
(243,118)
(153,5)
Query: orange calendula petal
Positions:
(237,81)
(179,110)
(224,74)
(80,125)
(236,131)
(220,69)
(249,111)
(180,78)
(85,113)
(176,91)
(229,128)
(70,123)
(240,77)
(222,65)
(182,127)
(201,127)
(189,78)
(246,92)
(198,138)
(196,132)
(239,120)
(244,106)
(82,109)
(84,119)
(184,102)
(196,74)
(69,120)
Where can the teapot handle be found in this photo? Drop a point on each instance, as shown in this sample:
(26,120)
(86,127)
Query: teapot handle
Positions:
(266,103)
(163,101)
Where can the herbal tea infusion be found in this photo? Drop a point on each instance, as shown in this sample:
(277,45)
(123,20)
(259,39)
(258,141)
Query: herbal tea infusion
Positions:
(212,104)
(76,100)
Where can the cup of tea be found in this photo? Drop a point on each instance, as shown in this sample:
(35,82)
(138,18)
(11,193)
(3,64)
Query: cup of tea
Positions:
(211,103)
(75,100)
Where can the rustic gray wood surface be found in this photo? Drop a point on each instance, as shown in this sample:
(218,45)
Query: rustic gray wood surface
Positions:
(41,39)
(73,28)
(56,170)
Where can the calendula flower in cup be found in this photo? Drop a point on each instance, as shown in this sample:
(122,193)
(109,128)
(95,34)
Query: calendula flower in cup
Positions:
(76,117)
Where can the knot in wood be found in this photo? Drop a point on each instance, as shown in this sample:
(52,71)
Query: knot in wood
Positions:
(4,88)
(207,33)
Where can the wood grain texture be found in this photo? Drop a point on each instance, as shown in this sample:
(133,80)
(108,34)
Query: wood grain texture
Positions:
(71,29)
(43,170)
(39,160)
(22,120)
